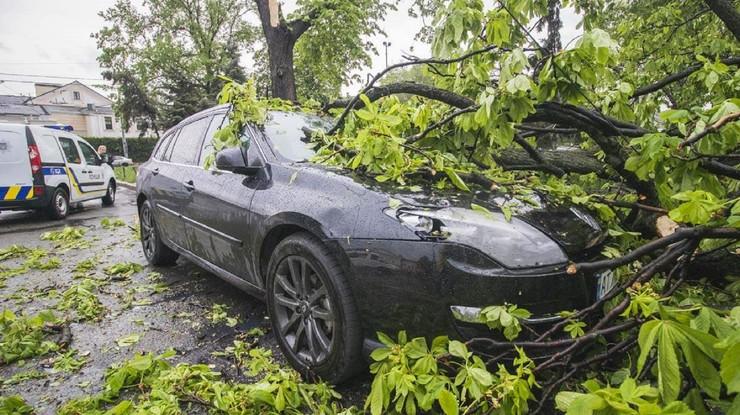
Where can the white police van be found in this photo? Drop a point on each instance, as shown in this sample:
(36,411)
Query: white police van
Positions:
(44,168)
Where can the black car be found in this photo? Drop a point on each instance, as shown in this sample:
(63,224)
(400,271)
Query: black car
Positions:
(339,257)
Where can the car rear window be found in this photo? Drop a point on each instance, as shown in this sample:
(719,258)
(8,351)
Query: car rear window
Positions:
(285,131)
(187,146)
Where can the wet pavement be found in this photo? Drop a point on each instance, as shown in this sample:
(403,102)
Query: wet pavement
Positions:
(165,307)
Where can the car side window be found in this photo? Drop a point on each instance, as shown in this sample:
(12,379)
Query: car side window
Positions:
(91,157)
(70,150)
(217,122)
(187,148)
(162,146)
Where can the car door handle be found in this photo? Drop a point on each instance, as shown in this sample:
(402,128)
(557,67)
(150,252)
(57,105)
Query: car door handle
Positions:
(189,185)
(84,171)
(155,171)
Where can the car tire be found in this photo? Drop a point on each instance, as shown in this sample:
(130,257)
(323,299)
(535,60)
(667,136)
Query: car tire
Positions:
(110,195)
(59,204)
(316,323)
(155,251)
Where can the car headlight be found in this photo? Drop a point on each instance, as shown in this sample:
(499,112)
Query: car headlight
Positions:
(416,222)
(424,226)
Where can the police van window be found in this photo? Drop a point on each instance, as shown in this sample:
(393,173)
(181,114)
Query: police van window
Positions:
(70,150)
(91,157)
(48,148)
(187,146)
(217,122)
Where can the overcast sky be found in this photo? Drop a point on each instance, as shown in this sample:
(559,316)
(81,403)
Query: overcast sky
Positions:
(52,38)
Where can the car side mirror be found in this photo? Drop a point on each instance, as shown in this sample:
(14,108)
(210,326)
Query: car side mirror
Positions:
(232,159)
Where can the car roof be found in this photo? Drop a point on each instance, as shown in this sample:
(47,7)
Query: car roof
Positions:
(35,127)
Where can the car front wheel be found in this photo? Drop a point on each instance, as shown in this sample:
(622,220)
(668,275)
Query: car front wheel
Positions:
(155,251)
(312,311)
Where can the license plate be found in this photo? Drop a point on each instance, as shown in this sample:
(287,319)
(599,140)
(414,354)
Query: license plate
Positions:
(605,283)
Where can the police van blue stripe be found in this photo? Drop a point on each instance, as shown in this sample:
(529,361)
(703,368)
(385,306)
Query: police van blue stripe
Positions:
(53,171)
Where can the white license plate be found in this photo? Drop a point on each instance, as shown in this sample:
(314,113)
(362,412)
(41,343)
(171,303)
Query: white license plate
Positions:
(605,283)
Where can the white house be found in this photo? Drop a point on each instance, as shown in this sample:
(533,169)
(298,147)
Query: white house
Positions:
(88,112)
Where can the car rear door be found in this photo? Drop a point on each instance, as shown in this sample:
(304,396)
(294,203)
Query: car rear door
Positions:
(218,214)
(172,186)
(16,179)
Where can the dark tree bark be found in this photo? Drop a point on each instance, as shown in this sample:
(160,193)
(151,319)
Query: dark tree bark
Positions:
(281,37)
(727,12)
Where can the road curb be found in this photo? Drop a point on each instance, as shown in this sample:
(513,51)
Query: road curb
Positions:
(130,186)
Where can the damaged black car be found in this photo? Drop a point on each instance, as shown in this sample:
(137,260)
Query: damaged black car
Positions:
(338,257)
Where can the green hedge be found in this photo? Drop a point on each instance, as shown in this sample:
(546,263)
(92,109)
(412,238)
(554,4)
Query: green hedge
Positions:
(139,149)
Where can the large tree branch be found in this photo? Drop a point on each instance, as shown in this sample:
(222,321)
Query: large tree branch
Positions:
(727,12)
(600,127)
(648,89)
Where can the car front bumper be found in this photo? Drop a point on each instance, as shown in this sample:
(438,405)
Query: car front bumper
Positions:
(430,288)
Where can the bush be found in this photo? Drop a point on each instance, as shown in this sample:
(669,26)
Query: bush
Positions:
(139,149)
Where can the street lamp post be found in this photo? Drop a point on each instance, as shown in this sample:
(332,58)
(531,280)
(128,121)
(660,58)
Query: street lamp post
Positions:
(386,44)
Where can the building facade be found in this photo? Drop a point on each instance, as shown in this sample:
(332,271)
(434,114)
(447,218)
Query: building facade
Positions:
(75,104)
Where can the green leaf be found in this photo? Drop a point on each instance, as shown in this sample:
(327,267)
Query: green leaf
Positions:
(447,402)
(730,369)
(455,179)
(669,375)
(458,349)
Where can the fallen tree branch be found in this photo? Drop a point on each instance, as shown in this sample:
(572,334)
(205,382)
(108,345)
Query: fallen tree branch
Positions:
(710,129)
(648,89)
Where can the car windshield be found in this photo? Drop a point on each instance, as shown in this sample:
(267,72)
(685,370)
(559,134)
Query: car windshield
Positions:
(286,133)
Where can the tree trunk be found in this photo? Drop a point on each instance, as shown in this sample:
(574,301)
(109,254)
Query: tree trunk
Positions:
(727,12)
(280,42)
(280,52)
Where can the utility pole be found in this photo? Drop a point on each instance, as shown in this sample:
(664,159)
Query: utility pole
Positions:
(386,44)
(124,144)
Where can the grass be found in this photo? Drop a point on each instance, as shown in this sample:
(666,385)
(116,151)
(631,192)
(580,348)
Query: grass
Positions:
(125,174)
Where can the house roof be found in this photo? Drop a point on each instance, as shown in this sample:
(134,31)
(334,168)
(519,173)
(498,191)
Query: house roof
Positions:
(72,83)
(21,109)
(13,99)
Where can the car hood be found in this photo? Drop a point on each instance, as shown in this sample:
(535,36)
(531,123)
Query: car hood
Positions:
(516,232)
(572,228)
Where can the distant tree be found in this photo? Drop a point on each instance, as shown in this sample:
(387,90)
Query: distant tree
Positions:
(165,58)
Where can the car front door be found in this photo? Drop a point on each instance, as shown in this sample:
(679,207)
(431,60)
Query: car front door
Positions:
(219,218)
(75,168)
(93,167)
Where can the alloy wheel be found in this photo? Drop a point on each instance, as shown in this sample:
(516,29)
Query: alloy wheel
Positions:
(148,234)
(303,310)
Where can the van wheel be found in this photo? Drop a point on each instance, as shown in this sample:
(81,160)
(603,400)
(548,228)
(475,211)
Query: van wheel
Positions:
(59,206)
(155,251)
(312,311)
(110,196)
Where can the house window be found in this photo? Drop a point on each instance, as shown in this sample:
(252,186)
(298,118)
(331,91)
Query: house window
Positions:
(76,95)
(108,123)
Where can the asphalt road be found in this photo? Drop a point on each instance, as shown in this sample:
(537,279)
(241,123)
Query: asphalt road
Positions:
(177,317)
